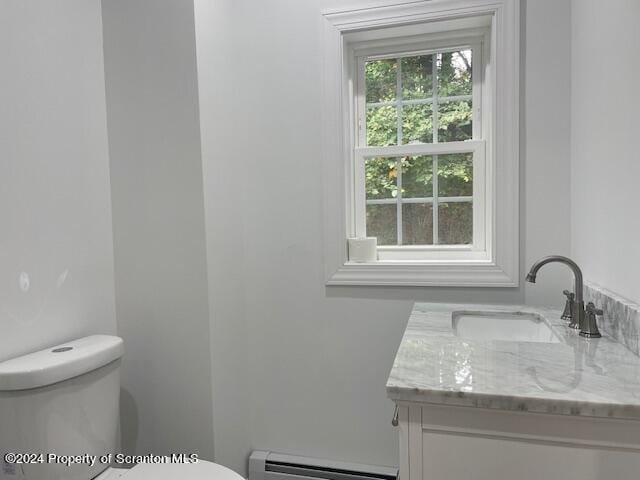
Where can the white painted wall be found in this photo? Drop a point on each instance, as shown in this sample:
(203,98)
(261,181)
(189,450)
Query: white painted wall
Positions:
(54,188)
(222,130)
(317,358)
(158,226)
(546,121)
(605,160)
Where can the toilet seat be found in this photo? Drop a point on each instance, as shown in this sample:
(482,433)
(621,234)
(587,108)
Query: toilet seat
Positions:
(202,470)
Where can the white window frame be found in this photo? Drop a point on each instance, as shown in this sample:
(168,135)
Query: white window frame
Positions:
(491,27)
(359,53)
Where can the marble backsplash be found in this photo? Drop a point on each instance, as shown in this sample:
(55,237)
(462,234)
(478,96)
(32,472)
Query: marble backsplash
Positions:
(621,317)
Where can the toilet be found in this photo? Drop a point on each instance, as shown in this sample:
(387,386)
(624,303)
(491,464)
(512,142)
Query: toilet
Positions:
(61,406)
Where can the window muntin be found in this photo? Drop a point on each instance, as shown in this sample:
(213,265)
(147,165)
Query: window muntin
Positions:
(420,100)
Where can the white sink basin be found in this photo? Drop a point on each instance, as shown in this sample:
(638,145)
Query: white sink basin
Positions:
(504,326)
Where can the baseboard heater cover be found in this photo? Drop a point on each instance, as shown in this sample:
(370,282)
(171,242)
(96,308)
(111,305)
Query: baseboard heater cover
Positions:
(275,466)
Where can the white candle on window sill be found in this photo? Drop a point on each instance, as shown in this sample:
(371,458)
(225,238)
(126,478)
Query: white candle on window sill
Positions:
(363,249)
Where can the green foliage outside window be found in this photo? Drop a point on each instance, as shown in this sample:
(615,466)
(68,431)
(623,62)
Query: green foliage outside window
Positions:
(454,123)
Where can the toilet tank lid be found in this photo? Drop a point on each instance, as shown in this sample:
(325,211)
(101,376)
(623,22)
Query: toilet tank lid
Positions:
(59,363)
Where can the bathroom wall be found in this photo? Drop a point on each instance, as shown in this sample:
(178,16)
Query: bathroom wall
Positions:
(318,357)
(158,226)
(545,121)
(56,259)
(605,163)
(222,132)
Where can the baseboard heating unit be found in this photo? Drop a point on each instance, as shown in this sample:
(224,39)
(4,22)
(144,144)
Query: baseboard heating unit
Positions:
(274,466)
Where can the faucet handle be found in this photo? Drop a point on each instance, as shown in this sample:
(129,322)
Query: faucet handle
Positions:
(569,313)
(591,308)
(589,328)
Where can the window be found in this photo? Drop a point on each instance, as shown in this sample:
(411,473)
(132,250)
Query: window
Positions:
(419,151)
(429,161)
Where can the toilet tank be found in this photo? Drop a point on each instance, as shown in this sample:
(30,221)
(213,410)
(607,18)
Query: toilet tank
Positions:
(60,401)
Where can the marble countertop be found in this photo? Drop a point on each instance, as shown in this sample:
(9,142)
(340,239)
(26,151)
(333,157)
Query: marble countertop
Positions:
(575,376)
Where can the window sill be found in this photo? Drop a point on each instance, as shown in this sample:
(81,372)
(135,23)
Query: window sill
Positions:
(423,274)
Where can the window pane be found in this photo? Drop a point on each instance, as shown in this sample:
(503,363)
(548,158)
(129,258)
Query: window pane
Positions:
(454,121)
(382,223)
(455,175)
(381,176)
(380,81)
(417,224)
(455,223)
(382,126)
(454,73)
(417,77)
(417,177)
(417,123)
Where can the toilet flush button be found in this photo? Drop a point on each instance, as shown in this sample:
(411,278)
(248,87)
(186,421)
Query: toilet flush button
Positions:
(61,349)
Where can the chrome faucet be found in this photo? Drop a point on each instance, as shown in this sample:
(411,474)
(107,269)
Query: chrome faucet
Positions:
(577,312)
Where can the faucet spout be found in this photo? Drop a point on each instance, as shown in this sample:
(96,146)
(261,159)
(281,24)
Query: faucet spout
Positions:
(578,284)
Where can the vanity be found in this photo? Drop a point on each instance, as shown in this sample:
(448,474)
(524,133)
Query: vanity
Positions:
(497,392)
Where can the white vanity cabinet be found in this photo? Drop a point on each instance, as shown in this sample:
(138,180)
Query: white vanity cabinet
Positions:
(505,399)
(466,443)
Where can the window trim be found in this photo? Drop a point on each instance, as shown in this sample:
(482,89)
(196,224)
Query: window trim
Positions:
(500,266)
